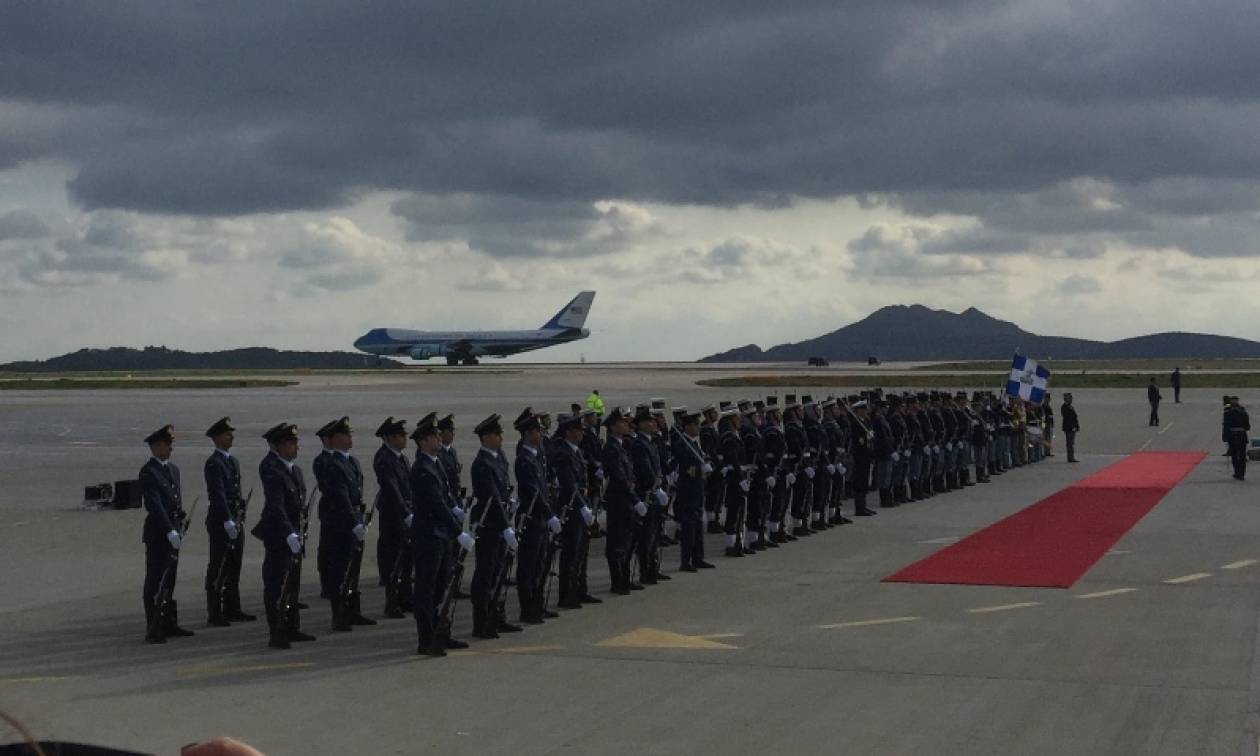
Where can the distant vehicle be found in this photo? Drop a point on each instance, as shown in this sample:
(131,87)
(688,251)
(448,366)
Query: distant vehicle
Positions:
(818,362)
(872,360)
(464,347)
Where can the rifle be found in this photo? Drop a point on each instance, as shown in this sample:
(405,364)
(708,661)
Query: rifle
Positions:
(394,583)
(350,582)
(166,584)
(499,599)
(446,608)
(287,601)
(553,546)
(231,546)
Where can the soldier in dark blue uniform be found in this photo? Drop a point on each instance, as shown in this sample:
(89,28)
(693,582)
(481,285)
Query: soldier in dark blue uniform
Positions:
(223,525)
(436,522)
(163,500)
(979,438)
(620,502)
(648,488)
(491,488)
(538,521)
(816,444)
(342,528)
(319,466)
(836,427)
(901,455)
(1236,425)
(593,453)
(692,468)
(393,545)
(756,500)
(449,457)
(280,528)
(714,484)
(774,474)
(884,453)
(797,461)
(863,455)
(735,479)
(570,469)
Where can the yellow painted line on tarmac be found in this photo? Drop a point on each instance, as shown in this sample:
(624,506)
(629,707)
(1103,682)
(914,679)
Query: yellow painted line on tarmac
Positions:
(36,679)
(1240,564)
(1105,594)
(523,649)
(648,637)
(1188,578)
(868,623)
(1003,607)
(714,636)
(222,670)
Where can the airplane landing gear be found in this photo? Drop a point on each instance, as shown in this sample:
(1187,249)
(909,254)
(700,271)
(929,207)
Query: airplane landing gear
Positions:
(470,361)
(452,359)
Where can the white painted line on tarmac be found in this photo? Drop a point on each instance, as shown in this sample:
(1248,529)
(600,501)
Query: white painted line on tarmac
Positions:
(1188,578)
(1240,564)
(1003,607)
(869,623)
(1105,594)
(946,539)
(1166,427)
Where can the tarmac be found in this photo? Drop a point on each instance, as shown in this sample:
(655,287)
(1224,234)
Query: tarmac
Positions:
(798,650)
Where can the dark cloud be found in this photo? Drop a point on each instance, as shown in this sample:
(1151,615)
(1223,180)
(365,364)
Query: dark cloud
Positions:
(885,252)
(1016,114)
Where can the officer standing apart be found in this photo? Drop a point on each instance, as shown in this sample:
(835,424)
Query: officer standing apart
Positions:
(1237,425)
(436,522)
(1153,396)
(279,526)
(1071,425)
(1175,381)
(160,486)
(223,525)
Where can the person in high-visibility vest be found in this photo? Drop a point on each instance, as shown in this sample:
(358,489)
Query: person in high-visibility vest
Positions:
(595,403)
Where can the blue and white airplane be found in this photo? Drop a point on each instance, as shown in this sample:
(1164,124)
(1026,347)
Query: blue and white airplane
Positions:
(466,346)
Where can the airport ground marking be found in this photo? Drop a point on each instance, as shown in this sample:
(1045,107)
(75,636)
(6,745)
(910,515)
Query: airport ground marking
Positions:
(868,623)
(1165,428)
(716,636)
(36,679)
(648,637)
(1003,607)
(207,670)
(946,539)
(1241,563)
(1118,552)
(1105,594)
(1192,577)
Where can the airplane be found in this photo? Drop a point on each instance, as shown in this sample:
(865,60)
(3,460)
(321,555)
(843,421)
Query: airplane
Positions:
(466,346)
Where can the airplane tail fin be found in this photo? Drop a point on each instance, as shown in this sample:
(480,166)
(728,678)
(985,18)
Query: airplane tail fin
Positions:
(574,313)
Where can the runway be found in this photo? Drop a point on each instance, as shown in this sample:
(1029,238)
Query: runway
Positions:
(799,650)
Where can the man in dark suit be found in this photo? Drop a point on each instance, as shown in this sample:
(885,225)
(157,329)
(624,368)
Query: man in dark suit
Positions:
(160,487)
(1236,426)
(281,529)
(436,522)
(393,545)
(1153,396)
(1071,426)
(223,525)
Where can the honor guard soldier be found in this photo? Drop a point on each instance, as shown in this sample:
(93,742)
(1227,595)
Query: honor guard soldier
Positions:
(755,499)
(797,461)
(393,545)
(1237,426)
(736,485)
(620,502)
(692,468)
(593,453)
(816,440)
(435,523)
(901,454)
(163,529)
(648,488)
(713,485)
(773,451)
(319,466)
(539,521)
(450,457)
(570,469)
(224,519)
(492,489)
(281,529)
(837,439)
(863,453)
(342,528)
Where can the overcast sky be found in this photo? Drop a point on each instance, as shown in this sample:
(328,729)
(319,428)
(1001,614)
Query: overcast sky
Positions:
(218,174)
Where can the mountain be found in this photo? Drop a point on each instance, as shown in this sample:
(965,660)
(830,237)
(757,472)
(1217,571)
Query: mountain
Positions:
(161,358)
(915,333)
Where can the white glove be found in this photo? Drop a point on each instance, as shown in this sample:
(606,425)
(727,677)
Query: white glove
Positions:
(949,446)
(791,479)
(513,504)
(602,519)
(640,509)
(295,542)
(927,450)
(662,498)
(896,457)
(744,485)
(459,513)
(936,449)
(466,541)
(841,469)
(173,539)
(509,537)
(706,468)
(359,531)
(831,469)
(809,473)
(409,519)
(599,473)
(672,477)
(588,516)
(726,470)
(770,481)
(554,524)
(230,528)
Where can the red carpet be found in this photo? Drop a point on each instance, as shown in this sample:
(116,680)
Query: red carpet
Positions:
(1053,542)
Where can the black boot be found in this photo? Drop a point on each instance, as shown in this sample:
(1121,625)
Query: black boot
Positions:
(170,626)
(232,606)
(277,638)
(340,615)
(482,625)
(356,614)
(214,610)
(152,628)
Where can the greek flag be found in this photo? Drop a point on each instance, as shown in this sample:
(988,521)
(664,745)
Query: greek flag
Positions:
(1028,380)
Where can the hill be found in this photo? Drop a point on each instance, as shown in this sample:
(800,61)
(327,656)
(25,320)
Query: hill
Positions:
(915,332)
(161,358)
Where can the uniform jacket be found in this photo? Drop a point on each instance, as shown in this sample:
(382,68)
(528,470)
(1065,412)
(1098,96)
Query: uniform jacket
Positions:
(449,459)
(1070,423)
(431,500)
(160,487)
(647,465)
(342,495)
(532,485)
(223,488)
(570,468)
(492,487)
(393,475)
(689,462)
(619,476)
(284,496)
